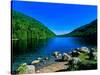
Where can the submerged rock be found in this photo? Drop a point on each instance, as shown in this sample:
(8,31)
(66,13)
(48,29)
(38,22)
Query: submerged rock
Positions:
(39,58)
(46,58)
(35,62)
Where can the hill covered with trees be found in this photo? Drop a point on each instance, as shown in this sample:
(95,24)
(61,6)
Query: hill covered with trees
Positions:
(25,27)
(86,30)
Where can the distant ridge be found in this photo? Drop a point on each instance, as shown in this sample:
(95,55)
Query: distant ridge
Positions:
(86,30)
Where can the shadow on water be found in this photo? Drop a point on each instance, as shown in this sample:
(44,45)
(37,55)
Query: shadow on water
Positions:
(34,45)
(24,46)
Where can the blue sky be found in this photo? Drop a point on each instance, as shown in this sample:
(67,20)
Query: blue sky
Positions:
(60,18)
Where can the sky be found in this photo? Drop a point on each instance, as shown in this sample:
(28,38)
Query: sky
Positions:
(59,18)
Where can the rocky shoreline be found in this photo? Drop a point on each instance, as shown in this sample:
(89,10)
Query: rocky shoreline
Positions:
(75,60)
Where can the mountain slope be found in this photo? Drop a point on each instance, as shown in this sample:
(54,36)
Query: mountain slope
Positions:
(25,27)
(86,30)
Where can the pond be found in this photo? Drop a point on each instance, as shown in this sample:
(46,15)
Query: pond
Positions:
(26,51)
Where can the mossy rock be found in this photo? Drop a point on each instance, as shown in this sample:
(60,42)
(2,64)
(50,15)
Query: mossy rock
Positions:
(22,69)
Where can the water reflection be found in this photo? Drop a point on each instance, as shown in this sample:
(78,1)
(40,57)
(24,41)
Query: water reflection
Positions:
(28,50)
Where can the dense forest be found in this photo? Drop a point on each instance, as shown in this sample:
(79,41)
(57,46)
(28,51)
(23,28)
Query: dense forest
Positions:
(86,30)
(25,27)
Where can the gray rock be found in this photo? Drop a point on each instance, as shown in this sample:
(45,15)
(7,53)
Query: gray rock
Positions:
(26,69)
(85,49)
(56,54)
(66,57)
(35,62)
(30,69)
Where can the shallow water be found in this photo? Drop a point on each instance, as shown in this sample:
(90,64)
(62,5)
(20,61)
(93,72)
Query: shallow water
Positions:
(26,51)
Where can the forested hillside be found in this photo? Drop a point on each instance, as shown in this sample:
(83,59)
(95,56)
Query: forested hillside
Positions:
(25,27)
(86,30)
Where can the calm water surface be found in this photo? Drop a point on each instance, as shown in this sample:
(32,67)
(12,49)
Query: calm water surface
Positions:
(26,51)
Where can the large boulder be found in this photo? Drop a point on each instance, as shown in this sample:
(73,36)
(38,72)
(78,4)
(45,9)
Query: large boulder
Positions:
(85,49)
(66,57)
(30,69)
(92,54)
(95,55)
(76,61)
(25,69)
(22,68)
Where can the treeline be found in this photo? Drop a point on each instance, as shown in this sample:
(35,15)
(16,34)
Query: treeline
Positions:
(86,30)
(25,27)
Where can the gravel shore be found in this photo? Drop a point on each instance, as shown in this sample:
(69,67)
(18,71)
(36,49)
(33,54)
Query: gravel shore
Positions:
(53,67)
